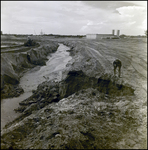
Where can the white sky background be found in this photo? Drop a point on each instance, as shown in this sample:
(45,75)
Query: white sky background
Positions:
(74,17)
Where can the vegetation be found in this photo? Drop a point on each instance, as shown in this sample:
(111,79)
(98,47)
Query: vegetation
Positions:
(133,36)
(122,36)
(70,36)
(30,42)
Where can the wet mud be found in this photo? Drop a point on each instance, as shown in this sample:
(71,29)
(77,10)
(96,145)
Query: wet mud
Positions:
(88,109)
(15,64)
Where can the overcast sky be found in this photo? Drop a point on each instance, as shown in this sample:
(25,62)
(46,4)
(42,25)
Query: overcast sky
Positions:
(74,17)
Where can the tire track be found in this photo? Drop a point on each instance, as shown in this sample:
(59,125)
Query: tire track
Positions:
(99,57)
(135,62)
(131,65)
(108,62)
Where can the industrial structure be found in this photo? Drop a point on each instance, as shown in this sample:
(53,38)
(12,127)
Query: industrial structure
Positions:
(104,36)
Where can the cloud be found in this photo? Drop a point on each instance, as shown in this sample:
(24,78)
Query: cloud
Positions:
(132,14)
(109,5)
(73,17)
(129,19)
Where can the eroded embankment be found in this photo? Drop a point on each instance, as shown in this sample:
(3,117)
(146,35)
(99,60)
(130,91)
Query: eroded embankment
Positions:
(75,110)
(51,91)
(13,66)
(86,110)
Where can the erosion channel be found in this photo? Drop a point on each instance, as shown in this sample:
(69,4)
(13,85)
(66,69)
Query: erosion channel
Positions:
(32,78)
(83,105)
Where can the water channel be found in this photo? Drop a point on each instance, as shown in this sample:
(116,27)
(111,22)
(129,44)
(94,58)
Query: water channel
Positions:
(31,79)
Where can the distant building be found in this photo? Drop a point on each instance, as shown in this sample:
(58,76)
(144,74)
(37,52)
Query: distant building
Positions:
(91,36)
(118,33)
(103,36)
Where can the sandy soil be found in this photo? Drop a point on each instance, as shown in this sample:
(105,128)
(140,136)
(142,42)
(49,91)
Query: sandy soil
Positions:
(81,114)
(32,78)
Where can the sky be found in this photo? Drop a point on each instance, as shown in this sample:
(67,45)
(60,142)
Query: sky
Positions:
(74,17)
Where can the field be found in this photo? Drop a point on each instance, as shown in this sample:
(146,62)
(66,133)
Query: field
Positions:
(89,111)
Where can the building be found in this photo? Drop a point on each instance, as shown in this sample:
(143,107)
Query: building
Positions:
(91,36)
(103,36)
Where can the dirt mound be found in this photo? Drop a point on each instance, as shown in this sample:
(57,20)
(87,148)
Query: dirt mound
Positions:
(88,109)
(8,75)
(77,80)
(51,91)
(34,58)
(113,86)
(10,90)
(30,42)
(86,119)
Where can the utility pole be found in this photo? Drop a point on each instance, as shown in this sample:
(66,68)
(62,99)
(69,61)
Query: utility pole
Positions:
(34,32)
(41,32)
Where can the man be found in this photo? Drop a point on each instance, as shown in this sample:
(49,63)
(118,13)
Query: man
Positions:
(117,63)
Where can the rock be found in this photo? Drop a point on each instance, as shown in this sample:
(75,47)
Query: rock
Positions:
(33,91)
(31,108)
(10,90)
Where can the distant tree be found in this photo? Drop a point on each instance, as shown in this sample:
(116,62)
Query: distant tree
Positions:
(122,36)
(145,32)
(30,42)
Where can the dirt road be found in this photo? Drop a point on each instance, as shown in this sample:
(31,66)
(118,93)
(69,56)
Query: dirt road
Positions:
(134,59)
